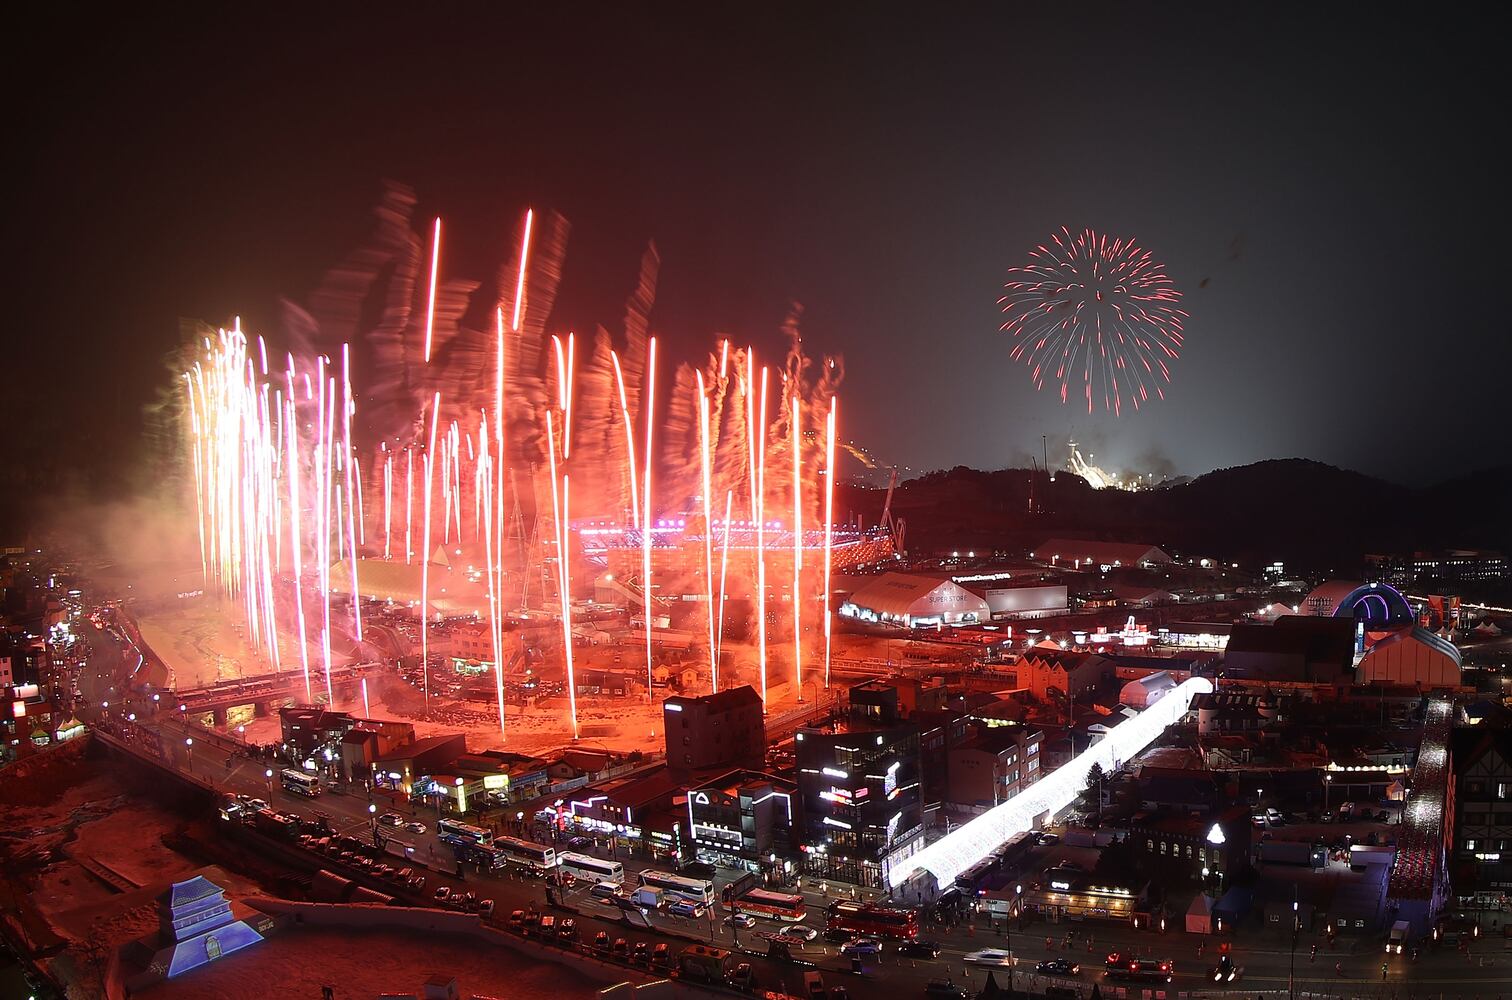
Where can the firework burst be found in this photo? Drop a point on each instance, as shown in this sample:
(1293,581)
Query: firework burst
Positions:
(1096,311)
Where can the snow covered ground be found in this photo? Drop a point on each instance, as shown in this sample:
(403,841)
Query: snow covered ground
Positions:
(296,963)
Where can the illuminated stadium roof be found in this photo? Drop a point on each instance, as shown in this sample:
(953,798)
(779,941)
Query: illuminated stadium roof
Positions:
(966,845)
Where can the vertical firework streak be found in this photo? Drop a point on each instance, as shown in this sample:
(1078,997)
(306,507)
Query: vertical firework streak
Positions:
(708,527)
(409,503)
(724,571)
(425,556)
(388,499)
(829,525)
(349,459)
(797,433)
(619,378)
(430,304)
(296,547)
(559,515)
(759,503)
(649,403)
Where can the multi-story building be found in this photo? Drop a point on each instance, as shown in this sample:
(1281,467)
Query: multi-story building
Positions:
(1480,839)
(1203,848)
(859,789)
(1454,566)
(994,766)
(743,818)
(727,728)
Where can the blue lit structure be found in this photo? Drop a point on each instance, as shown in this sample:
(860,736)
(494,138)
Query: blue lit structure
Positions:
(197,927)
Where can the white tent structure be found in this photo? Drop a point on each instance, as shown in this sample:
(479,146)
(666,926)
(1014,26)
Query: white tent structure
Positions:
(915,602)
(1199,916)
(967,844)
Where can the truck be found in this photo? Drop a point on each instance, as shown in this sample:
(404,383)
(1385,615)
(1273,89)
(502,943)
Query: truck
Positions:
(1290,852)
(704,964)
(398,848)
(647,896)
(276,824)
(1396,941)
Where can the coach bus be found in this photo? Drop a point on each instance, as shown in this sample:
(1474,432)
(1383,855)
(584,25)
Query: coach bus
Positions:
(692,890)
(522,853)
(592,869)
(464,831)
(300,783)
(771,905)
(873,921)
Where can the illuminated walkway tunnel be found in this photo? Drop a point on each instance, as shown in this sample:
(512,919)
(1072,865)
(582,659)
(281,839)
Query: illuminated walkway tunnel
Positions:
(965,846)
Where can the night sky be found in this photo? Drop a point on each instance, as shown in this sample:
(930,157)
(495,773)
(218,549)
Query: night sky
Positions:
(1328,194)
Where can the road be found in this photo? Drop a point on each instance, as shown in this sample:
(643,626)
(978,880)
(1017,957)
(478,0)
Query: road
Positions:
(1483,971)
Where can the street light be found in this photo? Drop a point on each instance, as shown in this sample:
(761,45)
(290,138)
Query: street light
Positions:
(189,745)
(373,816)
(1018,903)
(1327,784)
(269,775)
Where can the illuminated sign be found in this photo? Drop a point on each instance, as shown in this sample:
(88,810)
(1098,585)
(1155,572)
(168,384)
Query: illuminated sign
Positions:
(494,781)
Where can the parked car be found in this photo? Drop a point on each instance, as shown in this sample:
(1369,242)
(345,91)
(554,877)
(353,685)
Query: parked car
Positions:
(944,989)
(741,920)
(619,947)
(683,908)
(601,941)
(861,946)
(547,926)
(442,894)
(390,819)
(415,826)
(1046,839)
(803,931)
(1058,967)
(577,842)
(661,956)
(640,954)
(517,919)
(568,930)
(486,907)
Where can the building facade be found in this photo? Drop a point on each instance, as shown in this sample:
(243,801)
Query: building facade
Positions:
(726,728)
(860,799)
(742,818)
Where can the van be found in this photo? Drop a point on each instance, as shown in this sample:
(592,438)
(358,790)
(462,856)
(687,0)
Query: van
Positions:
(605,890)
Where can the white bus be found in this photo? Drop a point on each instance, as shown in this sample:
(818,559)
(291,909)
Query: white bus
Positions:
(591,869)
(537,857)
(693,890)
(464,831)
(300,783)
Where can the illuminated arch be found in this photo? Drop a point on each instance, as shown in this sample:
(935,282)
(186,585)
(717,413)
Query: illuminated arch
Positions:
(966,845)
(1377,605)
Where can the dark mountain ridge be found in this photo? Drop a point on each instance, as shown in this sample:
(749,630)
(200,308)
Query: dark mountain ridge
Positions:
(1314,517)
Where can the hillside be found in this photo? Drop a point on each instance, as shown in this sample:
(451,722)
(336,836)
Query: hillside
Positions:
(1312,516)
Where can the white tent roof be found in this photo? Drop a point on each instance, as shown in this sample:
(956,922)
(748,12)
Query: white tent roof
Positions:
(900,594)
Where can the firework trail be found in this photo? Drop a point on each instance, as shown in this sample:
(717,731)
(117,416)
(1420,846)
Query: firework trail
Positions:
(277,468)
(1096,311)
